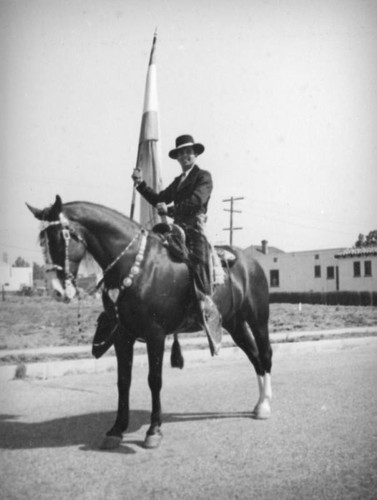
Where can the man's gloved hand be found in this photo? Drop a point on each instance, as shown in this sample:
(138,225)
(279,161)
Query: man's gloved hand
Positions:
(162,209)
(137,176)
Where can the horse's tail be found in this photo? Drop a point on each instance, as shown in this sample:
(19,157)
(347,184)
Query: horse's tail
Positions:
(176,358)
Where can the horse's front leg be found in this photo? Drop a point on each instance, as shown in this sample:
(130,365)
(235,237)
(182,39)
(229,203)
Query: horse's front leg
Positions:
(124,348)
(155,347)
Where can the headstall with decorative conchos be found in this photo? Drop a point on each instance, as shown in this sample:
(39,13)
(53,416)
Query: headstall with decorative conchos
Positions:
(69,281)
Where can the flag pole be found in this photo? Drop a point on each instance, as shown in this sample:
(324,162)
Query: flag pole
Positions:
(133,200)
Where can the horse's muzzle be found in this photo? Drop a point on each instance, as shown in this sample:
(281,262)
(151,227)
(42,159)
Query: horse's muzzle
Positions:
(63,294)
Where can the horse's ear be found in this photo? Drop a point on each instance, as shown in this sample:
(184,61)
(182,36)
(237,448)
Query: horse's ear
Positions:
(58,205)
(55,209)
(50,213)
(38,214)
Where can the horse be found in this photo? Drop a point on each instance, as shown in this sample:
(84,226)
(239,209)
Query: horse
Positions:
(150,294)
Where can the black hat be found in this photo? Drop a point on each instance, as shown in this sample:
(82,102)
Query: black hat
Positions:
(184,141)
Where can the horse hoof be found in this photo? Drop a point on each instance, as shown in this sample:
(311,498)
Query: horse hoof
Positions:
(262,411)
(111,443)
(152,441)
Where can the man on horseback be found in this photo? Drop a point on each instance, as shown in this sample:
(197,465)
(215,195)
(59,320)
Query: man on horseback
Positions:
(188,197)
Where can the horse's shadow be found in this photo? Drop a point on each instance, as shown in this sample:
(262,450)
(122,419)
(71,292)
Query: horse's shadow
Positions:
(85,430)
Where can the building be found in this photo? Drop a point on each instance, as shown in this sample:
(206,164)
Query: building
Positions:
(330,270)
(12,279)
(358,269)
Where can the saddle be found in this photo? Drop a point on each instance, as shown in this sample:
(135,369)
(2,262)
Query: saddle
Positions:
(174,239)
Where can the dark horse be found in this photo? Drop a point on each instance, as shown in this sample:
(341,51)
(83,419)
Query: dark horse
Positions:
(150,294)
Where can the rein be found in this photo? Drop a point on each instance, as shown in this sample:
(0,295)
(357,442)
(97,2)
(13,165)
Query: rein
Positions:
(135,269)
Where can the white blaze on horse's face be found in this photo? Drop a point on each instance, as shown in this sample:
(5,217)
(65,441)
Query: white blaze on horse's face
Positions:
(57,287)
(60,275)
(70,290)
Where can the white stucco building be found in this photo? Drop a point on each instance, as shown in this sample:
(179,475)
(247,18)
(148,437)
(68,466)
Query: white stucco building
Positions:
(330,270)
(14,278)
(358,269)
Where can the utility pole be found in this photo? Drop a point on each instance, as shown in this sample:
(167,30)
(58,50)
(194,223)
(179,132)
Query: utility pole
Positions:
(231,228)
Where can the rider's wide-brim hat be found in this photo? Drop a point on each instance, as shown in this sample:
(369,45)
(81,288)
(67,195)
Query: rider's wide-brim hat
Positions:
(184,141)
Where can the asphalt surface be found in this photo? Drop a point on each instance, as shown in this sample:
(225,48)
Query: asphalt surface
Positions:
(320,443)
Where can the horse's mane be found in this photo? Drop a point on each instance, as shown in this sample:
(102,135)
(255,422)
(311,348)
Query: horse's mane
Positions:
(84,205)
(80,211)
(76,210)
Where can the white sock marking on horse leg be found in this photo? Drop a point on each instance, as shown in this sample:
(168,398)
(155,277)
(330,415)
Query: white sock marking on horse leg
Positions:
(261,388)
(263,409)
(267,387)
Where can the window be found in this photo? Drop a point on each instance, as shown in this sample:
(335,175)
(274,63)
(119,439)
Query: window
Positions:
(317,271)
(274,278)
(368,268)
(330,273)
(316,256)
(356,269)
(275,259)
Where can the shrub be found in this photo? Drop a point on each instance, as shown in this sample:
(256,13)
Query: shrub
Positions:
(345,298)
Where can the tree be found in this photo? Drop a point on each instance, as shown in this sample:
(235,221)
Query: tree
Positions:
(367,241)
(20,262)
(371,239)
(38,272)
(360,241)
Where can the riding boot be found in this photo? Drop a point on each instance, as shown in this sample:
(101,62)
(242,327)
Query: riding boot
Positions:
(210,314)
(104,335)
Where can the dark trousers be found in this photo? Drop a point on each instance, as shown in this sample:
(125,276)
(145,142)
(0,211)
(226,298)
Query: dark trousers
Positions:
(199,255)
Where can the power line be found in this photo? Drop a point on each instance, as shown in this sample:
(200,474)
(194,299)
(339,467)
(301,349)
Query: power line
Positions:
(232,210)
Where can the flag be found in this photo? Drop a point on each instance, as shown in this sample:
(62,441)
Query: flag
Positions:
(148,157)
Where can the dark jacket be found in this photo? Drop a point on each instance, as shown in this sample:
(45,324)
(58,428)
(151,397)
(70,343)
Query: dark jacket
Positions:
(190,198)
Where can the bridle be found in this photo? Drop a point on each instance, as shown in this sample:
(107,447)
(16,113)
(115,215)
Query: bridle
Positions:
(70,287)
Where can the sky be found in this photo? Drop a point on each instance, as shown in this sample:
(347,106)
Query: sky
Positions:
(280,92)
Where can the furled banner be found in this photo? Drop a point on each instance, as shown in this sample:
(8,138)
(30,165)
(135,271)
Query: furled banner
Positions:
(148,157)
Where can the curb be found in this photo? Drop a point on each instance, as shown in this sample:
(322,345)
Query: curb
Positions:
(198,351)
(187,340)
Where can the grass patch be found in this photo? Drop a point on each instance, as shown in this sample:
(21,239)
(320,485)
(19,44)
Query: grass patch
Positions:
(32,322)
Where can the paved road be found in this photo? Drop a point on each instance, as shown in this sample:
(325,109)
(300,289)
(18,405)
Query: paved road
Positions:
(321,442)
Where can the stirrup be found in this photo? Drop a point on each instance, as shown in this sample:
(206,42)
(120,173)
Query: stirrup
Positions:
(212,323)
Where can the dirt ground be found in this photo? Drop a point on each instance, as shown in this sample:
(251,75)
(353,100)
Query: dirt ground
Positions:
(27,322)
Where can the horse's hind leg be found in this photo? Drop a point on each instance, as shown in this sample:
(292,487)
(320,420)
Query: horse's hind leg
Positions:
(260,354)
(263,407)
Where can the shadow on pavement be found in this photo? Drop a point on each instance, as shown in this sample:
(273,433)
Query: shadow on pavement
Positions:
(86,430)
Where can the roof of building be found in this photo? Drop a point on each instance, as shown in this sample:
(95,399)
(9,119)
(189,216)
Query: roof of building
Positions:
(259,249)
(357,252)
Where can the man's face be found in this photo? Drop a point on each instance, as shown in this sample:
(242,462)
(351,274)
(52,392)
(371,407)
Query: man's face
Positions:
(186,157)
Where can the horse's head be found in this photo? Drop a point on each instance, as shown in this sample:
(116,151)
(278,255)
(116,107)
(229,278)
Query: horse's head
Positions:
(63,248)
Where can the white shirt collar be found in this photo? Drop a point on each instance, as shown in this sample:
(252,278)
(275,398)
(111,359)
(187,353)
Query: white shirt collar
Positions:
(185,174)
